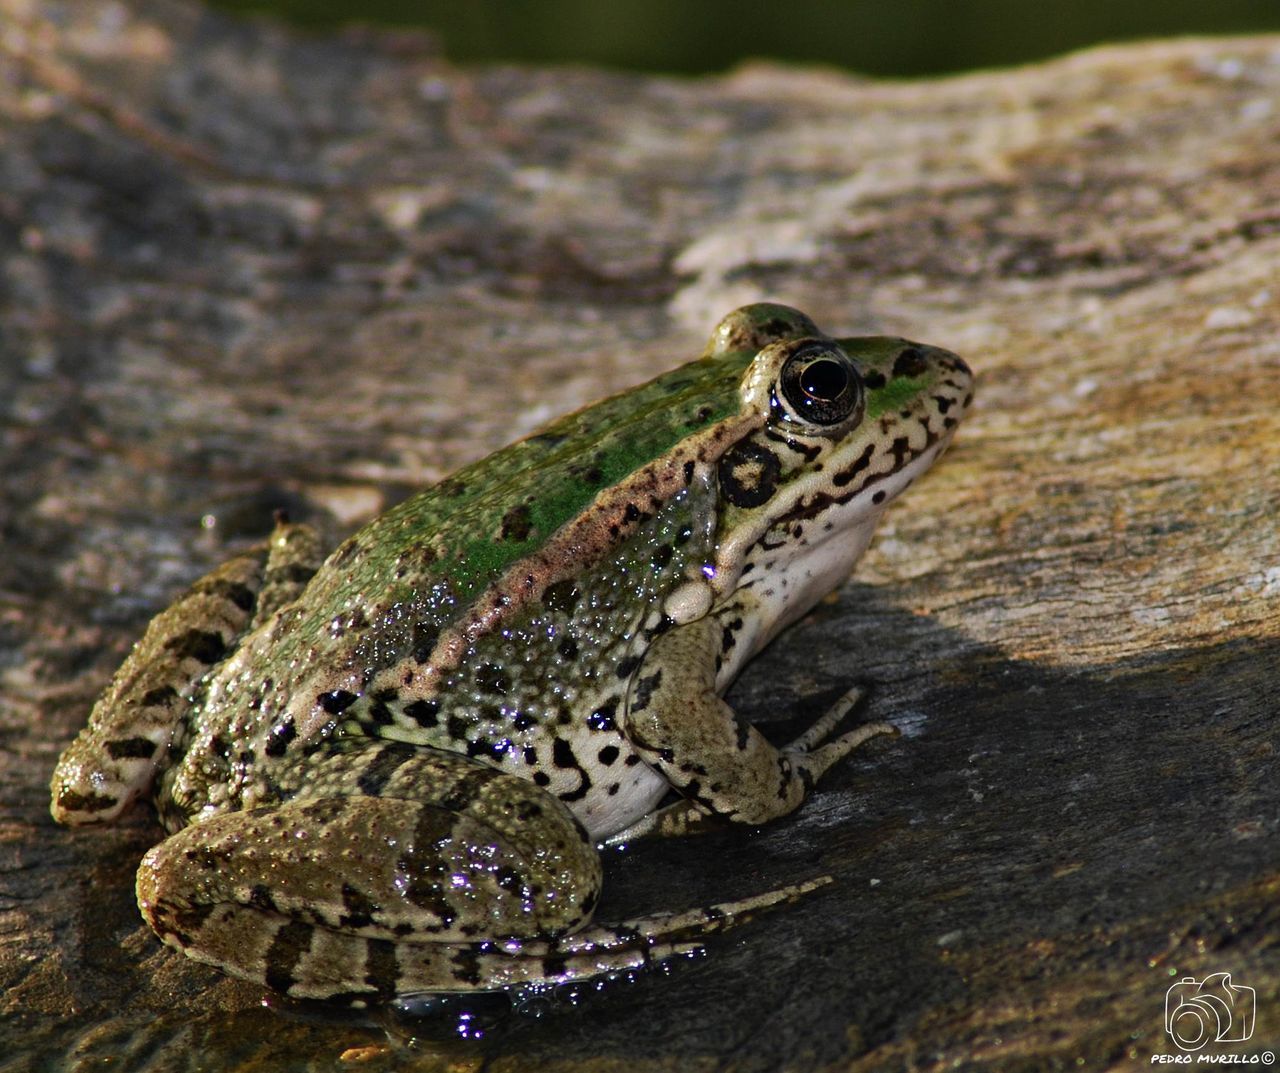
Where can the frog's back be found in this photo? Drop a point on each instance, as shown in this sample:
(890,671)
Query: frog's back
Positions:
(425,625)
(432,557)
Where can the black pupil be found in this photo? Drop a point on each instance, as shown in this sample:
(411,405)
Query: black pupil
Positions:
(824,380)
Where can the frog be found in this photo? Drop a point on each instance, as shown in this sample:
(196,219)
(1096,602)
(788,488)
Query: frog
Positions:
(391,771)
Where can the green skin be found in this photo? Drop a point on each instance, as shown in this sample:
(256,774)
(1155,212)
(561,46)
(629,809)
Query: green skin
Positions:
(387,773)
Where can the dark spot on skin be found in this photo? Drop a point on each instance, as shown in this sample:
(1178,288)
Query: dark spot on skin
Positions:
(562,754)
(607,755)
(901,451)
(662,556)
(859,464)
(878,497)
(457,728)
(493,679)
(291,942)
(645,688)
(204,646)
(160,697)
(603,717)
(748,474)
(660,627)
(523,721)
(554,966)
(131,749)
(910,362)
(337,702)
(627,666)
(186,921)
(422,641)
(388,760)
(465,790)
(345,550)
(495,749)
(381,970)
(205,858)
(512,882)
(530,755)
(260,899)
(568,649)
(294,574)
(683,537)
(232,591)
(219,747)
(874,380)
(944,403)
(594,476)
(562,596)
(541,778)
(424,713)
(631,514)
(563,757)
(688,472)
(280,737)
(466,965)
(528,810)
(380,714)
(517,524)
(632,760)
(359,908)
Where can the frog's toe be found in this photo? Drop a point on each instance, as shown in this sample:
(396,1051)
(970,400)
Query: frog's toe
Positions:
(829,720)
(88,789)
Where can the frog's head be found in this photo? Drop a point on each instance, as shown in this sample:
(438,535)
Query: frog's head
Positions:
(848,424)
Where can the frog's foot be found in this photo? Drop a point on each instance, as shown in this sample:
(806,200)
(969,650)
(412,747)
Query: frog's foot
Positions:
(308,961)
(678,723)
(683,818)
(114,759)
(676,820)
(820,757)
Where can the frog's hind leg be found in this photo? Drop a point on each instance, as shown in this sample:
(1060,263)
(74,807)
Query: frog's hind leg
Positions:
(305,960)
(114,759)
(391,871)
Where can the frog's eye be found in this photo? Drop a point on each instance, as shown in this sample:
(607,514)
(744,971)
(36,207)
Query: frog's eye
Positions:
(820,385)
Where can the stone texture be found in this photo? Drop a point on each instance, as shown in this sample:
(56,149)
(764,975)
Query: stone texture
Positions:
(242,269)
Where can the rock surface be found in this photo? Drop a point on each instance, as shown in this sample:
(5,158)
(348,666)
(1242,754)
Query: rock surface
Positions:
(242,269)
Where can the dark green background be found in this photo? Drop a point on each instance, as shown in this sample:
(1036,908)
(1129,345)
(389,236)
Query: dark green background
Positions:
(888,37)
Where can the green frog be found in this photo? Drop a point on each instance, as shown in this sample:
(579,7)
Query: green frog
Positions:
(388,772)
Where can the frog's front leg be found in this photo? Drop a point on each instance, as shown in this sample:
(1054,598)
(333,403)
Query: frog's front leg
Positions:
(114,759)
(394,869)
(679,724)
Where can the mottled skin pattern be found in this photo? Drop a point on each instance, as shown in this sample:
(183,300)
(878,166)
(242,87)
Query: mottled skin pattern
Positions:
(386,773)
